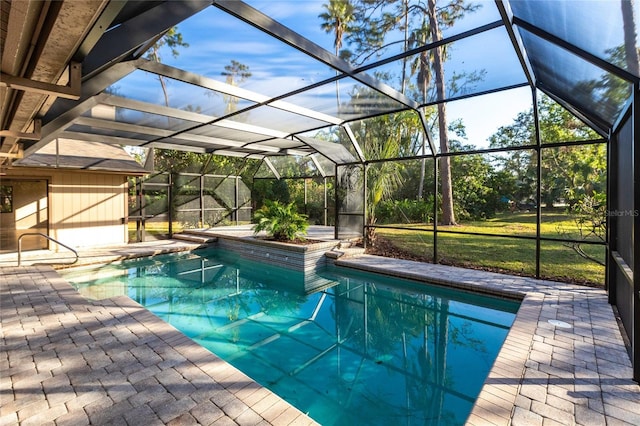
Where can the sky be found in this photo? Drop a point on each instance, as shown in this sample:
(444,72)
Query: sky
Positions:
(484,115)
(216,38)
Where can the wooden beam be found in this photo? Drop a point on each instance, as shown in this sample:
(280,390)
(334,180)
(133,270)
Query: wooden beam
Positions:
(70,91)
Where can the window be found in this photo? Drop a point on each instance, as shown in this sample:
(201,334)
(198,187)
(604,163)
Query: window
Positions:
(6,199)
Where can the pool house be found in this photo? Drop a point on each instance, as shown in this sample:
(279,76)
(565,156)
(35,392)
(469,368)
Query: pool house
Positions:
(467,171)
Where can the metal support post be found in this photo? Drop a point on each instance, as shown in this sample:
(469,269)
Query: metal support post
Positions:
(635,333)
(435,209)
(536,120)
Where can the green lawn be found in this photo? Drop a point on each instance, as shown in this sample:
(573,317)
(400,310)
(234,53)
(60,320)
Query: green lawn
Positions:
(154,229)
(557,261)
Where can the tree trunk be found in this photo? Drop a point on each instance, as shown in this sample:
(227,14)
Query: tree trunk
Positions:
(424,70)
(423,166)
(405,10)
(629,28)
(338,85)
(448,216)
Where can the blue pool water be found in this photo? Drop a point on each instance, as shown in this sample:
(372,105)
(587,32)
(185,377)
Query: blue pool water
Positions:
(348,348)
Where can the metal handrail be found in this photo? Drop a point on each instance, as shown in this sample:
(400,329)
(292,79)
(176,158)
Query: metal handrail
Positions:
(48,238)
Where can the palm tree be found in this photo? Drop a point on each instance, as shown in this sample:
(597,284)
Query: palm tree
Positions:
(384,138)
(338,15)
(422,65)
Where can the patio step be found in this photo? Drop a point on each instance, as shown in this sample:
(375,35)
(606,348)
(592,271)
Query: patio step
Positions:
(193,238)
(344,252)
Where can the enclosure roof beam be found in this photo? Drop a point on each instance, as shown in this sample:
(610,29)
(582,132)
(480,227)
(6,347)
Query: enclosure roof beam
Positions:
(271,167)
(257,146)
(122,41)
(581,53)
(235,91)
(202,81)
(186,137)
(187,148)
(91,87)
(354,142)
(190,116)
(425,129)
(334,152)
(155,132)
(219,146)
(92,137)
(238,154)
(52,129)
(318,165)
(162,133)
(296,151)
(601,128)
(476,94)
(268,25)
(150,108)
(102,123)
(507,17)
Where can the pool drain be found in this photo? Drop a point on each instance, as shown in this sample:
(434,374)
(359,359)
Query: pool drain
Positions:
(559,324)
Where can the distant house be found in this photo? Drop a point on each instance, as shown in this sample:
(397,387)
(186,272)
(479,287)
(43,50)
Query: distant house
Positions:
(74,191)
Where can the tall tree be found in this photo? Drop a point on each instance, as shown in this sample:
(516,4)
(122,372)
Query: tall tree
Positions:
(336,19)
(378,20)
(568,172)
(448,216)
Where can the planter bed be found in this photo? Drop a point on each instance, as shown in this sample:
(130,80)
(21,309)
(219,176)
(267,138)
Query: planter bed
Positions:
(306,257)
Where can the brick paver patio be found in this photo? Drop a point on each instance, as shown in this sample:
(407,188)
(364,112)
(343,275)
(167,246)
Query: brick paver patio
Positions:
(67,360)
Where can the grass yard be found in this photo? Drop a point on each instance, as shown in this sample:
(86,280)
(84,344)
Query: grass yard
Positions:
(154,230)
(557,261)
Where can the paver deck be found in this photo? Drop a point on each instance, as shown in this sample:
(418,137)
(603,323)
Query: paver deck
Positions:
(67,360)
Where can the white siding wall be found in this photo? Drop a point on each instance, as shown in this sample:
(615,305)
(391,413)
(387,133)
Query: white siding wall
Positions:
(85,208)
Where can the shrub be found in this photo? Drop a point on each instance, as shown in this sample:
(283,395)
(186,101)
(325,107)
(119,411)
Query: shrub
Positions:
(280,221)
(405,211)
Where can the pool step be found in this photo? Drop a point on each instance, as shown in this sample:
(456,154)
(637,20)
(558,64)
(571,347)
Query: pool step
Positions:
(193,238)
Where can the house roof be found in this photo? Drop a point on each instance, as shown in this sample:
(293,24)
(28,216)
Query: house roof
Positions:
(574,51)
(82,155)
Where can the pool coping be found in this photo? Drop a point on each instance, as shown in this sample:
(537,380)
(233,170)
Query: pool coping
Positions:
(543,374)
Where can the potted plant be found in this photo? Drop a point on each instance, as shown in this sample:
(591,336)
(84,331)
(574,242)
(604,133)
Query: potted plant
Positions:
(280,221)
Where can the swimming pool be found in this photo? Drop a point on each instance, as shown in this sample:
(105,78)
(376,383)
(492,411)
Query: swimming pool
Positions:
(346,347)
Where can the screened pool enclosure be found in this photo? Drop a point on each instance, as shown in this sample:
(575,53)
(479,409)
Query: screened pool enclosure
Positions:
(433,125)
